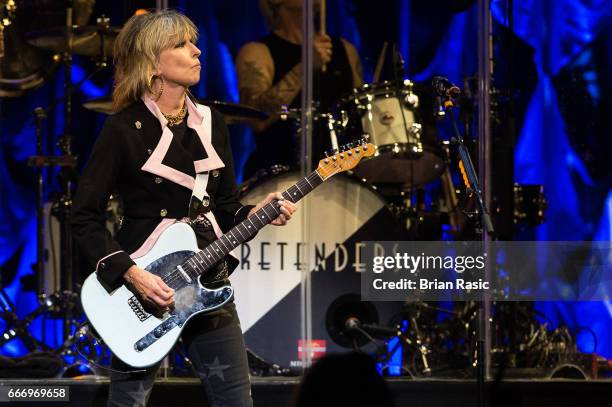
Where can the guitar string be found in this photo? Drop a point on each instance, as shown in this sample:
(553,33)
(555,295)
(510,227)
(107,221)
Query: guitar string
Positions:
(175,275)
(308,186)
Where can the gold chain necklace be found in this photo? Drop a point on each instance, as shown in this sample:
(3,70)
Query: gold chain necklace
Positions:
(174,119)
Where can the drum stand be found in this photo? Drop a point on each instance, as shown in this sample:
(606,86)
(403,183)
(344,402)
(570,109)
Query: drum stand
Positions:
(65,302)
(16,328)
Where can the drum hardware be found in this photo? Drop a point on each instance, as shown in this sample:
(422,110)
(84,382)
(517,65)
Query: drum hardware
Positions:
(354,323)
(67,176)
(387,112)
(18,328)
(22,67)
(7,14)
(235,113)
(56,304)
(285,113)
(94,41)
(529,204)
(332,126)
(258,366)
(347,321)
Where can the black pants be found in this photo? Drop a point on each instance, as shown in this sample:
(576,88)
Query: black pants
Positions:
(215,345)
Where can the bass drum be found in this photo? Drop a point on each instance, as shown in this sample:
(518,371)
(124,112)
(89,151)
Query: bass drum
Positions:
(343,213)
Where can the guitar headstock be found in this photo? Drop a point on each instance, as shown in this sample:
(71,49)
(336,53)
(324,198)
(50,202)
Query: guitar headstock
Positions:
(345,158)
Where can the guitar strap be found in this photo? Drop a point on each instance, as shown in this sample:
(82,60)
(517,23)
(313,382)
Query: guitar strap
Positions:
(199,202)
(200,216)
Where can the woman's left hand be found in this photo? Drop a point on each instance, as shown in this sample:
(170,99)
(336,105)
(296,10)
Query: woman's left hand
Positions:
(287,208)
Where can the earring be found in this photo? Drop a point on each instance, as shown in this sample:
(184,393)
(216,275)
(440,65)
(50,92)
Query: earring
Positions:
(157,95)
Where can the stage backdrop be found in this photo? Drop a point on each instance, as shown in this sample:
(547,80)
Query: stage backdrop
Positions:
(564,49)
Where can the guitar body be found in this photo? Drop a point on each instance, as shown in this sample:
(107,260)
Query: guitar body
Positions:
(135,333)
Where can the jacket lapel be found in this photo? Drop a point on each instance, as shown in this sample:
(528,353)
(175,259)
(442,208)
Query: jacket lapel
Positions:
(165,163)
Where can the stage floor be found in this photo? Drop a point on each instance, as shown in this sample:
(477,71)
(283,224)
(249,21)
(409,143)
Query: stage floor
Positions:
(277,392)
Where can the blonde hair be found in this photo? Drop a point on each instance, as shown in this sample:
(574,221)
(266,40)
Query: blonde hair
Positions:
(138,47)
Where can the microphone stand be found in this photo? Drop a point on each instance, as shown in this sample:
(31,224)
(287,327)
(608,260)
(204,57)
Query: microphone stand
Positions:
(483,225)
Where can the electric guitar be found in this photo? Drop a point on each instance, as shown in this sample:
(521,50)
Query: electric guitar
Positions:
(141,336)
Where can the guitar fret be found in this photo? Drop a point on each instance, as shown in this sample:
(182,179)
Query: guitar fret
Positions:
(246,231)
(260,215)
(218,247)
(249,219)
(294,193)
(201,260)
(267,214)
(256,217)
(238,229)
(222,242)
(193,265)
(287,196)
(208,257)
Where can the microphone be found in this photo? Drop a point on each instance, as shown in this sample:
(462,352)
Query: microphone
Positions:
(354,324)
(444,87)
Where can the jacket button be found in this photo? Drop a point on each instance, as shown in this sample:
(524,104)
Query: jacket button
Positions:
(215,173)
(149,151)
(102,265)
(206,201)
(158,180)
(163,213)
(138,125)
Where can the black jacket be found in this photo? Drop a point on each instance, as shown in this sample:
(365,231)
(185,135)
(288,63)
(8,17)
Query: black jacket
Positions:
(128,140)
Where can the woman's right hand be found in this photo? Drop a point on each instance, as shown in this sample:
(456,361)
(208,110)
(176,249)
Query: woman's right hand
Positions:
(150,287)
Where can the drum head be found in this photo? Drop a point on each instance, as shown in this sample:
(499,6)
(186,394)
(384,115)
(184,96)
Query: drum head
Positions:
(343,213)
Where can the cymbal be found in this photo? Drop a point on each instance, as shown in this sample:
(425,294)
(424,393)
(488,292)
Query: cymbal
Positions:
(100,105)
(86,40)
(233,113)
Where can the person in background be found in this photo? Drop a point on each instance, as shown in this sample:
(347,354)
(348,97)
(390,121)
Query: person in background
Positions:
(270,76)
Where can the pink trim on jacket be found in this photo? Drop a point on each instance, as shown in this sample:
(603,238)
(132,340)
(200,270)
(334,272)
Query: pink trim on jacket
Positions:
(199,119)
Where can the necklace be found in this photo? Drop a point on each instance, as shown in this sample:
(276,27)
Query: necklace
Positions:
(174,119)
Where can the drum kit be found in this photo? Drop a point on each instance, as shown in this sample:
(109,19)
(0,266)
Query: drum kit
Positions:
(384,199)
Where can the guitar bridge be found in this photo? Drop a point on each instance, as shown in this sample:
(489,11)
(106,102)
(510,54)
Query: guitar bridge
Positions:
(138,309)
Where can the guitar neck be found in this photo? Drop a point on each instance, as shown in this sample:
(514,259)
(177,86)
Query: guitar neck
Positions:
(245,230)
